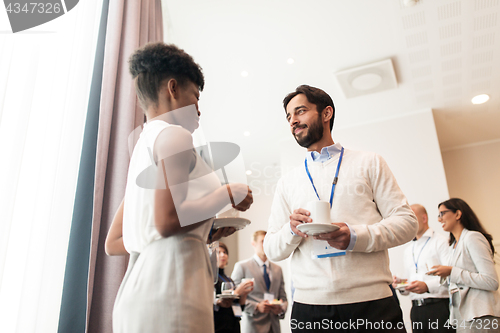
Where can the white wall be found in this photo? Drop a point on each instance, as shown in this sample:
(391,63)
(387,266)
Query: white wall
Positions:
(473,175)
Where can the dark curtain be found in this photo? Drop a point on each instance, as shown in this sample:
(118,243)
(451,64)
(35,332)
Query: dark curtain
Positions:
(72,316)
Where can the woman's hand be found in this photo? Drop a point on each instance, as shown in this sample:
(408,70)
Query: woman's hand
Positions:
(224,302)
(440,270)
(241,196)
(222,232)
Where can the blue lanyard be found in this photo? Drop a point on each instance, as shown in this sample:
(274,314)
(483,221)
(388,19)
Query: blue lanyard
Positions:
(335,180)
(224,278)
(413,254)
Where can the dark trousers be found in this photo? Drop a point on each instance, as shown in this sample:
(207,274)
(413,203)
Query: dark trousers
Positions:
(383,315)
(430,318)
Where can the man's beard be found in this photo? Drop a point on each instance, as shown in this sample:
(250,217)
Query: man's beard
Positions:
(314,134)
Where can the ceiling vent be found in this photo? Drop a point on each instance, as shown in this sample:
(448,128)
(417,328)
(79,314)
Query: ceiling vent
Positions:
(367,79)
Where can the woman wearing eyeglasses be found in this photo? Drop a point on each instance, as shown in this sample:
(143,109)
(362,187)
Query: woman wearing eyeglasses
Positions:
(473,281)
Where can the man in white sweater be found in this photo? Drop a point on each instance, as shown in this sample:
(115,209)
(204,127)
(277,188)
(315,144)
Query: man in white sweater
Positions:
(348,290)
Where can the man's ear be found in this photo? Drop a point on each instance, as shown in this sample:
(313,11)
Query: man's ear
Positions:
(327,114)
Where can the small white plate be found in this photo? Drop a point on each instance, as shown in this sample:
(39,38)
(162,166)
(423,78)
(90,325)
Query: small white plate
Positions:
(230,296)
(235,222)
(313,229)
(402,286)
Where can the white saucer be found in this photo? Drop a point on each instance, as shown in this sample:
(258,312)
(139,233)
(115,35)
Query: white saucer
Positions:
(313,229)
(229,296)
(402,286)
(235,222)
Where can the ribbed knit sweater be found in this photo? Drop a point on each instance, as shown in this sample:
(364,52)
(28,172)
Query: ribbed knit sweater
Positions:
(368,198)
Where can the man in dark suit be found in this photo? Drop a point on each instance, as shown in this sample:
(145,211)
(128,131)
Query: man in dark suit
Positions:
(267,303)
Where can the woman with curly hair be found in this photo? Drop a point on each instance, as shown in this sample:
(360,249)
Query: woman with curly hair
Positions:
(473,281)
(170,200)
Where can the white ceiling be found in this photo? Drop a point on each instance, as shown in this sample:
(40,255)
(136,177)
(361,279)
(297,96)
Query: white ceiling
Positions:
(444,52)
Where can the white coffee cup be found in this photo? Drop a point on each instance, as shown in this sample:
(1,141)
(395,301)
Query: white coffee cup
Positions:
(248,279)
(431,263)
(320,211)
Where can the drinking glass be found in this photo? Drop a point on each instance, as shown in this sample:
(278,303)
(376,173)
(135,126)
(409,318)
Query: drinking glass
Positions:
(227,288)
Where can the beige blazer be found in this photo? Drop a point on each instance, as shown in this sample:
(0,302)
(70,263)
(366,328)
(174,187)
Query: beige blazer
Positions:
(475,276)
(254,321)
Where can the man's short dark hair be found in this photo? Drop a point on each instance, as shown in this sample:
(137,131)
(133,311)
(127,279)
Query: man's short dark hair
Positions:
(315,96)
(154,63)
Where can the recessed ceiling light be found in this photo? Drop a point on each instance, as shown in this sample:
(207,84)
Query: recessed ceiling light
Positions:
(246,133)
(290,61)
(244,73)
(410,3)
(249,172)
(480,99)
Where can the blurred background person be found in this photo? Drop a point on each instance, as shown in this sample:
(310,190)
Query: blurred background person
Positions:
(430,300)
(261,315)
(228,311)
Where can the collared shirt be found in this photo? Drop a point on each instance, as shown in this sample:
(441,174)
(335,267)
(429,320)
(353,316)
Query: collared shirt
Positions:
(326,154)
(261,265)
(430,250)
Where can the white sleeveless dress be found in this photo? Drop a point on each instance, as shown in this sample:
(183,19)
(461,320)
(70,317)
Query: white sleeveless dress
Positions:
(168,286)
